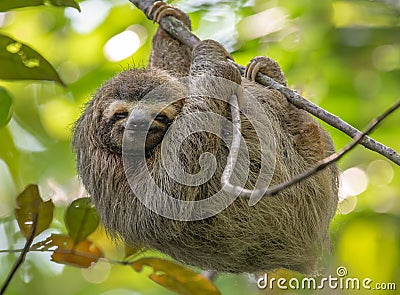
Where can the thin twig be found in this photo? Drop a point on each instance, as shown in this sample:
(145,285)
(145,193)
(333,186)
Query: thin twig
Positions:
(179,31)
(209,274)
(24,251)
(318,167)
(70,251)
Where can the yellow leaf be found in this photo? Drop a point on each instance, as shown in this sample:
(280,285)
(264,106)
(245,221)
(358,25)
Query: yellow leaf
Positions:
(82,254)
(176,277)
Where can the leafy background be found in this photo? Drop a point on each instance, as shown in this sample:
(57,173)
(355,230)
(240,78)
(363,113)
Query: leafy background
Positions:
(342,55)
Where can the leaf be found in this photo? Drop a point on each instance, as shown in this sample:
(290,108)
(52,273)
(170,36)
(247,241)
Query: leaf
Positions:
(20,62)
(5,106)
(82,254)
(81,219)
(29,203)
(176,277)
(13,4)
(68,3)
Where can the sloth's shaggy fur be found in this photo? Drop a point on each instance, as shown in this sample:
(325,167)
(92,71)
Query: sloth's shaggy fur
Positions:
(288,230)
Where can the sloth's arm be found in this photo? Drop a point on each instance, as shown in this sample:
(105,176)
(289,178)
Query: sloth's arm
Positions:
(211,58)
(168,53)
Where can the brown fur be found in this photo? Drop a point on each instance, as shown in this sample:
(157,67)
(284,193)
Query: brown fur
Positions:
(288,230)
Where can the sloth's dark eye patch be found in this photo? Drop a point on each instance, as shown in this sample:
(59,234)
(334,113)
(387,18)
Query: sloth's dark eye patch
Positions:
(120,116)
(163,119)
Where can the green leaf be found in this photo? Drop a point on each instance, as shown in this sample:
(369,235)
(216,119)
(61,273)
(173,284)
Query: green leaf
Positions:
(12,4)
(81,219)
(29,203)
(176,277)
(68,3)
(5,107)
(6,5)
(20,62)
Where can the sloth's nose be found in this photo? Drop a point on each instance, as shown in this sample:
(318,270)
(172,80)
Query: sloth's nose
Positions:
(140,120)
(146,128)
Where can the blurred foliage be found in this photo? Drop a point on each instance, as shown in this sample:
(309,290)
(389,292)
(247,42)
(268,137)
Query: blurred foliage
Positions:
(67,251)
(13,4)
(30,203)
(20,62)
(74,249)
(342,55)
(5,107)
(174,277)
(81,219)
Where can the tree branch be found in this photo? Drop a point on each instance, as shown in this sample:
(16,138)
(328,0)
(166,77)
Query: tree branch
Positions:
(179,31)
(23,253)
(331,119)
(296,179)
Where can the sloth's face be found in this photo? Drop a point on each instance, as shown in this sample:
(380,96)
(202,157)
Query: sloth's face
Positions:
(122,99)
(150,118)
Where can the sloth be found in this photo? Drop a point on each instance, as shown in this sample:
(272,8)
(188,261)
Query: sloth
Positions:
(287,230)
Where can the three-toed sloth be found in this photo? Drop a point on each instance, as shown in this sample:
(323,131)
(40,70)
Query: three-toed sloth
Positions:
(287,230)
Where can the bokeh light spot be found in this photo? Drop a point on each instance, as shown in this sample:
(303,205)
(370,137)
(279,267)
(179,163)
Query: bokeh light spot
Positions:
(92,14)
(380,173)
(347,205)
(370,89)
(353,182)
(140,31)
(122,46)
(263,23)
(97,273)
(386,58)
(384,200)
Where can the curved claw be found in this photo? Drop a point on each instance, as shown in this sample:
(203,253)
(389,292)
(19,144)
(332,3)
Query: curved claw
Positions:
(266,66)
(164,11)
(156,5)
(252,70)
(161,9)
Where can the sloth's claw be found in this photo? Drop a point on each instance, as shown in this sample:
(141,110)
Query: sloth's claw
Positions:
(161,9)
(266,66)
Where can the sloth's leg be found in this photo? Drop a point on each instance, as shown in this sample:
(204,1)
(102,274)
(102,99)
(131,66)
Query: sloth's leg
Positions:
(308,137)
(266,66)
(309,142)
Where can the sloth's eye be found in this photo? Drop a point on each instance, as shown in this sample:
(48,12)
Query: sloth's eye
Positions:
(163,119)
(120,116)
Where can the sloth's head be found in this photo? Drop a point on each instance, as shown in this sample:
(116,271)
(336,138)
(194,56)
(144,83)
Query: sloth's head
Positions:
(120,99)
